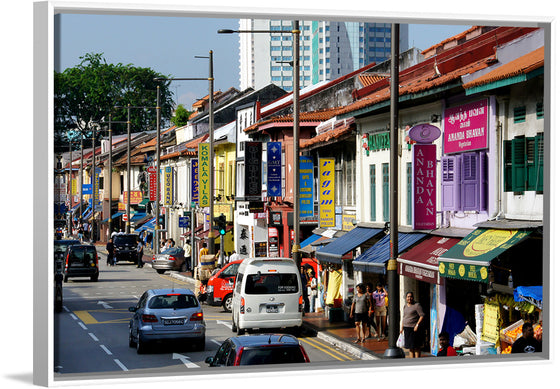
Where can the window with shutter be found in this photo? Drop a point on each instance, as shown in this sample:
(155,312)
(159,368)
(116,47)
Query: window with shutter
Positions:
(508,187)
(372,192)
(450,192)
(470,185)
(539,146)
(518,171)
(385,188)
(483,177)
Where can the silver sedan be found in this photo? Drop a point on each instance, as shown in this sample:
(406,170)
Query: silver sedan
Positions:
(171,259)
(167,315)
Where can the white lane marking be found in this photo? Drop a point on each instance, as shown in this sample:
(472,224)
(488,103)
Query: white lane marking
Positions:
(73,316)
(217,342)
(225,323)
(106,349)
(82,325)
(123,367)
(186,360)
(94,337)
(66,309)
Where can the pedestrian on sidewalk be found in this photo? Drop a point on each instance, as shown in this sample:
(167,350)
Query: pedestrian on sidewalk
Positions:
(140,252)
(380,310)
(445,350)
(80,233)
(371,313)
(359,310)
(188,253)
(413,315)
(312,289)
(110,252)
(304,285)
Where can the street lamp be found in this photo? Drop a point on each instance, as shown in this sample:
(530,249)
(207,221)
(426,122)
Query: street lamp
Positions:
(295,93)
(210,80)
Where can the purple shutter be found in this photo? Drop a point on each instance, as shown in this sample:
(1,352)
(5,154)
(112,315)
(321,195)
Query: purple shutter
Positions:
(450,193)
(483,181)
(470,182)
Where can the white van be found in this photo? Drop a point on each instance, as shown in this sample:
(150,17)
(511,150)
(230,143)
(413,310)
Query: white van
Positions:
(267,294)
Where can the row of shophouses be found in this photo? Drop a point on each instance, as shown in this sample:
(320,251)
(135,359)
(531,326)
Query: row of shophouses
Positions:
(470,213)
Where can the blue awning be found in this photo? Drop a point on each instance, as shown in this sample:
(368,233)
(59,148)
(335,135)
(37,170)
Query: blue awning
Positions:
(334,251)
(532,294)
(373,259)
(116,215)
(86,212)
(138,216)
(147,226)
(309,240)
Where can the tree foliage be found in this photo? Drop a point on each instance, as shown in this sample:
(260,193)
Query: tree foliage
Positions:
(181,116)
(85,95)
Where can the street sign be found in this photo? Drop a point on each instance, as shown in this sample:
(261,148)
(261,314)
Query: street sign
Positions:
(184,221)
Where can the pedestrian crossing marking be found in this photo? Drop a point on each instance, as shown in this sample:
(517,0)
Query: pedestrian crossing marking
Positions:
(87,318)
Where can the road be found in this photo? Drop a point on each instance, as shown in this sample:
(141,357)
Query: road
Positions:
(91,333)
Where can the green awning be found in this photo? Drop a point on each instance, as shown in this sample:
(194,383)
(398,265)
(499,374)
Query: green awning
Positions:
(470,258)
(143,202)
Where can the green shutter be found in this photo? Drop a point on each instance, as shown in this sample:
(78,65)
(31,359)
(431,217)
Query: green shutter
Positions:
(507,166)
(518,159)
(386,192)
(519,114)
(530,147)
(539,154)
(409,193)
(372,192)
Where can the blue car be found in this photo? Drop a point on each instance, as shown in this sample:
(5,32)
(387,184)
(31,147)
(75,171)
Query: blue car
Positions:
(167,315)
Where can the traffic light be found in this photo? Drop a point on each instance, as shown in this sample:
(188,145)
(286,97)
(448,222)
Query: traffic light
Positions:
(161,220)
(220,224)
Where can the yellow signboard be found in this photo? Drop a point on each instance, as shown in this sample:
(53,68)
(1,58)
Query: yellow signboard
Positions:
(204,175)
(326,193)
(491,324)
(168,186)
(74,186)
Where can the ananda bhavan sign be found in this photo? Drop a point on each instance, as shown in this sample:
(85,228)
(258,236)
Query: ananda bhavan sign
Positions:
(466,127)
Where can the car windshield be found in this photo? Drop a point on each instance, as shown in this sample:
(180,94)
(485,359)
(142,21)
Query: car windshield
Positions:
(268,355)
(62,245)
(231,270)
(277,283)
(178,301)
(82,254)
(125,239)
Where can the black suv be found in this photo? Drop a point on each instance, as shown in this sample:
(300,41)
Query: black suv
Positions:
(81,261)
(125,247)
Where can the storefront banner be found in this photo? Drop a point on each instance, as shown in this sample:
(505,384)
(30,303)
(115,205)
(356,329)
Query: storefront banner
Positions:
(466,127)
(204,175)
(306,180)
(168,186)
(326,192)
(86,189)
(424,186)
(74,187)
(135,197)
(95,185)
(253,170)
(461,271)
(491,323)
(194,180)
(274,169)
(152,183)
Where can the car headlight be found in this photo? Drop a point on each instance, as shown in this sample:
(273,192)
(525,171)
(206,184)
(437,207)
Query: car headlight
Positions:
(210,288)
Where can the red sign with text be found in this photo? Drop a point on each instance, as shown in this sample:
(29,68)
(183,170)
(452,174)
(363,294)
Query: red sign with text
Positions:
(424,186)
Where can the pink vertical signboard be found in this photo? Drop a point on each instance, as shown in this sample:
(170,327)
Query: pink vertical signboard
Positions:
(466,127)
(424,186)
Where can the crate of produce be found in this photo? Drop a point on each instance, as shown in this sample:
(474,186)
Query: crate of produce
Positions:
(511,333)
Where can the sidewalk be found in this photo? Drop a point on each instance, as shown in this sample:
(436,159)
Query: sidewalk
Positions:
(340,334)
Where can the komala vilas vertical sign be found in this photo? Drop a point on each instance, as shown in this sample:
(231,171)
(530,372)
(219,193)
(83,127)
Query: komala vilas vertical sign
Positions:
(424,164)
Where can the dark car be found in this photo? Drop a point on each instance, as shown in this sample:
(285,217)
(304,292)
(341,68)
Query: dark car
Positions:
(60,247)
(125,247)
(81,261)
(260,349)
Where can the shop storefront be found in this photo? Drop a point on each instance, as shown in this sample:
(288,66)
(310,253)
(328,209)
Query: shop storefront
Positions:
(482,272)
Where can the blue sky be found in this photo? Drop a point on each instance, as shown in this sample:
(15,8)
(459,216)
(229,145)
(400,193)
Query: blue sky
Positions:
(169,45)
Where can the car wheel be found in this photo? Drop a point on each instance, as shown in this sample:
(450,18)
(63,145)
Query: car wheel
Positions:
(131,342)
(233,326)
(141,346)
(200,344)
(160,271)
(183,267)
(95,278)
(239,331)
(228,301)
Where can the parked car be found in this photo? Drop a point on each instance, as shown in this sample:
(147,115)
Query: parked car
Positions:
(81,261)
(125,247)
(171,259)
(166,315)
(267,294)
(60,247)
(219,288)
(260,349)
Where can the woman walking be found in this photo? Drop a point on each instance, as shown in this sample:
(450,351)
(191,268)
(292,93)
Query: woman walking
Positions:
(360,308)
(413,315)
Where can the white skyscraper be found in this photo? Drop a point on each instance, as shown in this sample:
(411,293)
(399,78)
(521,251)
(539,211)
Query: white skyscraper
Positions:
(328,50)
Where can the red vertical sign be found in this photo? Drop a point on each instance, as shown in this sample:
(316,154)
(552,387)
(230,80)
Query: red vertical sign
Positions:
(152,179)
(424,186)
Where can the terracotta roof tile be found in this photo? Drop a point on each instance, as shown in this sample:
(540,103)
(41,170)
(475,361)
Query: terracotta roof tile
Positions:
(314,116)
(328,136)
(370,79)
(522,65)
(185,149)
